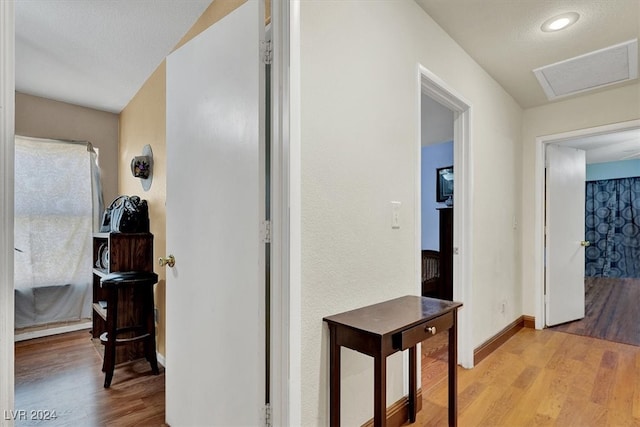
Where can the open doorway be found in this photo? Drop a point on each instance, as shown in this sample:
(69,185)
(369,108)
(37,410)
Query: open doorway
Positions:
(434,88)
(437,189)
(437,186)
(609,239)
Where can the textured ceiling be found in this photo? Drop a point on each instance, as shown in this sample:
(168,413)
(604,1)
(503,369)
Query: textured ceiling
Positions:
(504,36)
(624,145)
(96,53)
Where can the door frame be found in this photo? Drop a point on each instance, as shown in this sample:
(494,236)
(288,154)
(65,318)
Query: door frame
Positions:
(7,132)
(285,332)
(435,88)
(540,203)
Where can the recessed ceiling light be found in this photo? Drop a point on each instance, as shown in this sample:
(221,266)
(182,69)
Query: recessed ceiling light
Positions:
(560,22)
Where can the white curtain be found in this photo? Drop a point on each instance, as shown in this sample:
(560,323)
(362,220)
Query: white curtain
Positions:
(54,220)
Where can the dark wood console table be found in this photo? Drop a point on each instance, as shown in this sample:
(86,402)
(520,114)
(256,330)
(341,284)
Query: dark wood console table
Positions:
(382,329)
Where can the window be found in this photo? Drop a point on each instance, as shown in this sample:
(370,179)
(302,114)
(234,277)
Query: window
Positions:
(54,221)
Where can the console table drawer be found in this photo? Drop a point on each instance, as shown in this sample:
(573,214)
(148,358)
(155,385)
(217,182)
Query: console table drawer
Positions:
(410,337)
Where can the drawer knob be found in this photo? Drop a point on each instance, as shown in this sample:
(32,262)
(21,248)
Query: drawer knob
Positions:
(430,329)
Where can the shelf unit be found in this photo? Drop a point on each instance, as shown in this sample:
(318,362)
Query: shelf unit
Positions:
(113,252)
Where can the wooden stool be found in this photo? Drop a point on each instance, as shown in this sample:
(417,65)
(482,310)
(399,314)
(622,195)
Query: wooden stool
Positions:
(140,285)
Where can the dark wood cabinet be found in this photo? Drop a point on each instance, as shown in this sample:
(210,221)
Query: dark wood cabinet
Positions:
(116,252)
(446,254)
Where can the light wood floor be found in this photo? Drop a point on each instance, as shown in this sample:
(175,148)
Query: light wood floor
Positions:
(62,373)
(537,378)
(540,378)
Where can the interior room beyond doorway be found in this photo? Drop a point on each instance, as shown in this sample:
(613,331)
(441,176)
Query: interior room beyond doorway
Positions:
(436,207)
(612,154)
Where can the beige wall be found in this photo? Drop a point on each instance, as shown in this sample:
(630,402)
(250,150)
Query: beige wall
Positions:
(45,118)
(602,108)
(359,146)
(143,122)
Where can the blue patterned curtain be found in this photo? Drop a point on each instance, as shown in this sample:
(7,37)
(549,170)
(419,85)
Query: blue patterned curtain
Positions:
(613,227)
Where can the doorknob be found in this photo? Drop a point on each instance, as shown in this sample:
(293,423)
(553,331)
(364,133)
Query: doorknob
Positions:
(170,261)
(585,243)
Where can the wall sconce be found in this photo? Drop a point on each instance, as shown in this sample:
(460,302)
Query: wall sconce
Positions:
(142,167)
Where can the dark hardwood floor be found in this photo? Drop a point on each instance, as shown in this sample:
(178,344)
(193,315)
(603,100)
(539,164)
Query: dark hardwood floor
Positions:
(611,311)
(62,374)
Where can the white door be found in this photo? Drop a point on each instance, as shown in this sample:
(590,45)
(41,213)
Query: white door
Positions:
(566,173)
(215,352)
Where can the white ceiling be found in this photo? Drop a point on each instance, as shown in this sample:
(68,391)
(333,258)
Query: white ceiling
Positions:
(624,145)
(96,53)
(504,36)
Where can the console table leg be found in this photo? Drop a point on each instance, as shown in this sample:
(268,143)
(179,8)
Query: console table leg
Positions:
(413,374)
(334,379)
(380,391)
(453,366)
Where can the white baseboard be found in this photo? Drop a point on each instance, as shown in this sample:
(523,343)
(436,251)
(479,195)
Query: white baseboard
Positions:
(52,331)
(161,360)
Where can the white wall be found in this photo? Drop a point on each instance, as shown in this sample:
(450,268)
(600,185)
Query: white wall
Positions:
(436,122)
(359,140)
(601,108)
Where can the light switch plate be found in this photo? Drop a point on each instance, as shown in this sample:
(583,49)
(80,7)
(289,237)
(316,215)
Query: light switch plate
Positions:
(395,214)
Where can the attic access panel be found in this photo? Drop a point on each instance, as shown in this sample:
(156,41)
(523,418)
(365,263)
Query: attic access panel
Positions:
(604,67)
